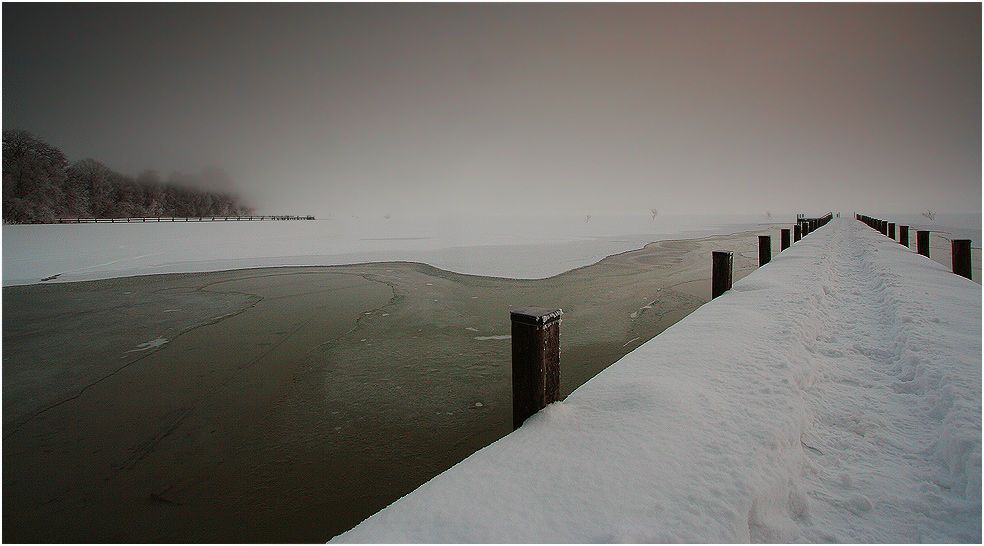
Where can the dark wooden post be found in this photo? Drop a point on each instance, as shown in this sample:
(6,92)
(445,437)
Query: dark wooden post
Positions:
(904,235)
(765,249)
(721,272)
(535,360)
(961,257)
(783,239)
(922,242)
(797,234)
(806,228)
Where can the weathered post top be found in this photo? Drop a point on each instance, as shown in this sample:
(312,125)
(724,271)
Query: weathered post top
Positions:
(537,316)
(535,360)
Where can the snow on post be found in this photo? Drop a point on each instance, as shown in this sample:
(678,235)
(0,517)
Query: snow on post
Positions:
(961,257)
(535,360)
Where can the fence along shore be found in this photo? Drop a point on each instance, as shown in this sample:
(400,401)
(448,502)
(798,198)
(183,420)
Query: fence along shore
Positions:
(128,220)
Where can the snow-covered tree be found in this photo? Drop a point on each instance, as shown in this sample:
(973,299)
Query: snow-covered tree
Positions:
(39,186)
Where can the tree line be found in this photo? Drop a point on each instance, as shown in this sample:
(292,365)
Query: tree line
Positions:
(39,185)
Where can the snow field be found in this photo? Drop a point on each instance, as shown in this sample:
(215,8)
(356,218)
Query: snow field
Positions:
(832,395)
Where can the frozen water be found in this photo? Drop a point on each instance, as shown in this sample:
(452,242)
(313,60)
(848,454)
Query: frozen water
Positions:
(515,247)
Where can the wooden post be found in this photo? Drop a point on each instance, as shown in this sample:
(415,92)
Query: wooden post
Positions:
(922,242)
(797,235)
(961,257)
(535,360)
(806,228)
(891,230)
(783,239)
(904,235)
(765,249)
(721,264)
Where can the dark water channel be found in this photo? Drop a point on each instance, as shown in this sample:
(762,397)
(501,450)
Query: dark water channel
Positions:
(287,405)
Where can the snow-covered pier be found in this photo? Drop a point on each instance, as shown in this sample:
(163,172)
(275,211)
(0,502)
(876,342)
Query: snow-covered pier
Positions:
(831,395)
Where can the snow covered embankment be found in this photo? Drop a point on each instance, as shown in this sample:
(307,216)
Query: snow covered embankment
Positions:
(833,395)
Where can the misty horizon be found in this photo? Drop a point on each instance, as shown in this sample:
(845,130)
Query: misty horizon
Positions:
(376,109)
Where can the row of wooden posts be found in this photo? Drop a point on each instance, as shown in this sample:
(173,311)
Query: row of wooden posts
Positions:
(722,262)
(960,255)
(536,330)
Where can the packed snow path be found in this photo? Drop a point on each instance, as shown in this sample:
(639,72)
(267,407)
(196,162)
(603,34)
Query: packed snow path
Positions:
(832,395)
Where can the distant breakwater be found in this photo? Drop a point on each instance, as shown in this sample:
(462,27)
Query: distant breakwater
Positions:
(181,219)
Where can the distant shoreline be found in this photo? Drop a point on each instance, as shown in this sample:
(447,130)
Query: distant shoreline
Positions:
(500,247)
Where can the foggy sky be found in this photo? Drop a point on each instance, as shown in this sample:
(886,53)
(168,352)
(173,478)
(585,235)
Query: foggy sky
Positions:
(337,109)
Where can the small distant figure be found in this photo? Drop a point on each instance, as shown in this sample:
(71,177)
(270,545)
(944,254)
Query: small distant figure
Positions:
(587,219)
(655,212)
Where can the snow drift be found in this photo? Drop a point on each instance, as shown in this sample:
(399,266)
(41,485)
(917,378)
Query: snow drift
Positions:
(832,395)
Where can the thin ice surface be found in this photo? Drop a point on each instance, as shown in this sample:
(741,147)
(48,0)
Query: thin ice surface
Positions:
(516,247)
(833,395)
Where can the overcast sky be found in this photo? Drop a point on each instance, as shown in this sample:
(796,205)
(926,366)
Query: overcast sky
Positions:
(337,109)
